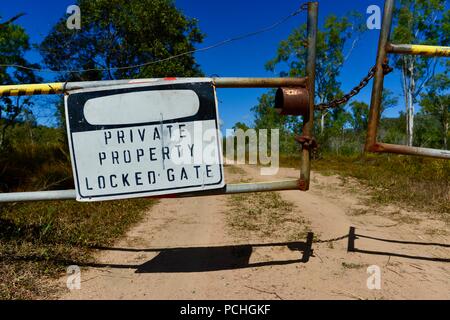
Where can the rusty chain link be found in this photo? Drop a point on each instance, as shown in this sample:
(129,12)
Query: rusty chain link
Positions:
(330,240)
(310,142)
(364,82)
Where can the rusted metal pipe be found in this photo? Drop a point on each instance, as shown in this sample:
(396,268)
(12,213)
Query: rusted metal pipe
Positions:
(259,82)
(378,80)
(61,87)
(415,49)
(414,151)
(308,121)
(292,101)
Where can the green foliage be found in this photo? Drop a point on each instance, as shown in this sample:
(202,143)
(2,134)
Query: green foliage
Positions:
(331,43)
(427,131)
(36,158)
(241,126)
(14,43)
(117,33)
(267,118)
(341,131)
(436,105)
(360,119)
(418,22)
(330,53)
(392,130)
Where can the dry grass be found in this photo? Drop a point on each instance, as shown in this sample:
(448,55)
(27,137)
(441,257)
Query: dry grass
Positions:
(266,215)
(262,215)
(234,170)
(350,265)
(421,184)
(39,240)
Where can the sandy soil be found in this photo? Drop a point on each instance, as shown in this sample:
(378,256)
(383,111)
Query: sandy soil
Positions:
(184,249)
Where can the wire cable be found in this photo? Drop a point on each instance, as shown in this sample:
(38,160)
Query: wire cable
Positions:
(218,44)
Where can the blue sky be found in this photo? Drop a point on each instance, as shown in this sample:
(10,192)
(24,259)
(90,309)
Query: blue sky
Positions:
(221,20)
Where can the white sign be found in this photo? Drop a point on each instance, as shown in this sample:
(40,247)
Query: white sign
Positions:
(144,140)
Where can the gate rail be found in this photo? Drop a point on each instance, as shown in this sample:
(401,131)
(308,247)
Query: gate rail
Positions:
(64,87)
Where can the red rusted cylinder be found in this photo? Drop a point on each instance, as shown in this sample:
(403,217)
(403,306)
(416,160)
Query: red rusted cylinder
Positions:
(292,101)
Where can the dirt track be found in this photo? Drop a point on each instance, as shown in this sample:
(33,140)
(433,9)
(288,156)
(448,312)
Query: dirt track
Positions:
(184,249)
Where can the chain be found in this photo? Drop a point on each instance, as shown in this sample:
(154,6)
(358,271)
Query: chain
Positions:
(330,240)
(310,142)
(364,82)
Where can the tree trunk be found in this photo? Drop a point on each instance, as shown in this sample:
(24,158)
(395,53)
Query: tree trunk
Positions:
(322,121)
(445,125)
(445,136)
(405,95)
(2,137)
(410,120)
(408,91)
(412,89)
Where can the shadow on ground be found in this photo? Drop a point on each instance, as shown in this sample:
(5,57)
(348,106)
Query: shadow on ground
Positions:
(352,236)
(229,257)
(202,259)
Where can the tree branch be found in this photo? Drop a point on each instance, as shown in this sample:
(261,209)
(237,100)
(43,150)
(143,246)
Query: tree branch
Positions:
(17,16)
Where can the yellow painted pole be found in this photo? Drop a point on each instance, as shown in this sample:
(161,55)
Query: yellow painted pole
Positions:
(31,89)
(415,49)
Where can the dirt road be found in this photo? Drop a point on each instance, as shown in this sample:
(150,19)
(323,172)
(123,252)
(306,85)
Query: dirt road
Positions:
(187,249)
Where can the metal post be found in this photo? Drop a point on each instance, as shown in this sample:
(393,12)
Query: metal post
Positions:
(308,121)
(377,89)
(351,240)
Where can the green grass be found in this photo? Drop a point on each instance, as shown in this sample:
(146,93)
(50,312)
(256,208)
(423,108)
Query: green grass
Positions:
(39,240)
(421,184)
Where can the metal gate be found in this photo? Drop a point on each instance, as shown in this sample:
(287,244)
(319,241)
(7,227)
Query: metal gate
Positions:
(294,97)
(385,47)
(298,88)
